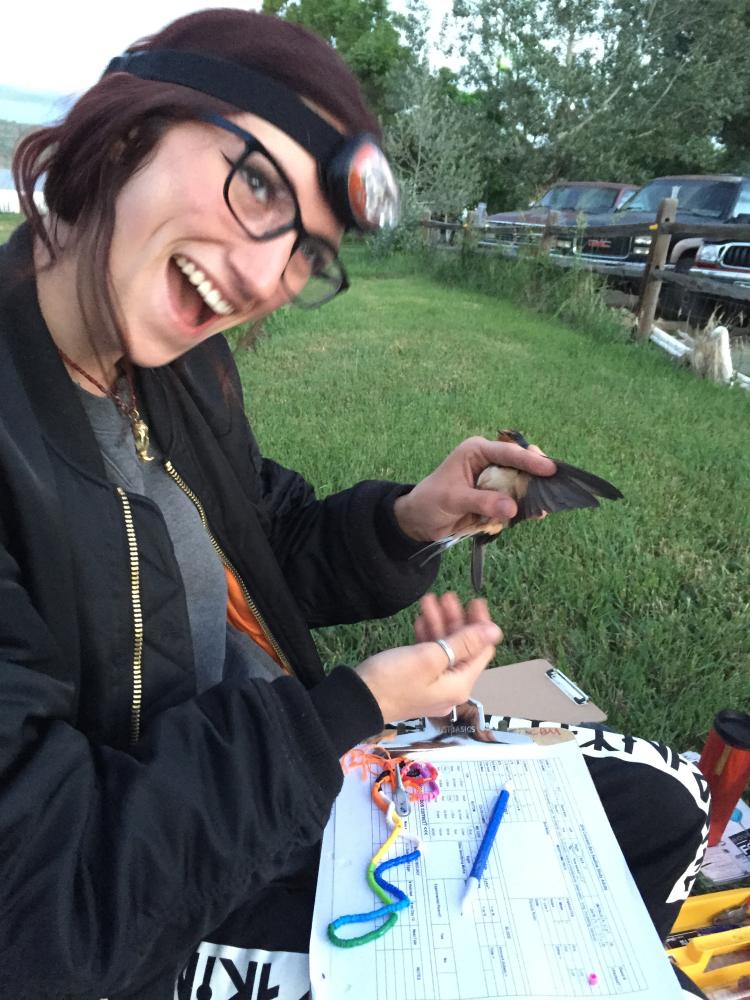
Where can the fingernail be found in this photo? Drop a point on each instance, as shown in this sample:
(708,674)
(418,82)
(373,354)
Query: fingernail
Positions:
(491,633)
(506,509)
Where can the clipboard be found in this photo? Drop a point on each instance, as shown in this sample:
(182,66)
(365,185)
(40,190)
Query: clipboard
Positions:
(530,935)
(534,689)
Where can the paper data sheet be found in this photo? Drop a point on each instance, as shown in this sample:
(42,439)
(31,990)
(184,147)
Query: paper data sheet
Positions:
(557,915)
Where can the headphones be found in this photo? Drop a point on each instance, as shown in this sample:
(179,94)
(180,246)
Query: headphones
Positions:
(354,172)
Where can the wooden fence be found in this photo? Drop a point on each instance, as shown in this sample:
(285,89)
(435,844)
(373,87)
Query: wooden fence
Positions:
(652,276)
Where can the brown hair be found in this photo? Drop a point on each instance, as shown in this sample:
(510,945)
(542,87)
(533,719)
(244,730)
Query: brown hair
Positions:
(114,127)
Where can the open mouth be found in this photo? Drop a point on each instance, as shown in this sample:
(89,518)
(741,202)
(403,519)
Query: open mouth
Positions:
(197,300)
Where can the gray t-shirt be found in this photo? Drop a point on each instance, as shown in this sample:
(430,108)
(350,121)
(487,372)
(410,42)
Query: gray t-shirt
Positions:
(219,649)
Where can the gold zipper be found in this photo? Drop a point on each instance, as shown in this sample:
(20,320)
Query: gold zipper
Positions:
(225,560)
(135,597)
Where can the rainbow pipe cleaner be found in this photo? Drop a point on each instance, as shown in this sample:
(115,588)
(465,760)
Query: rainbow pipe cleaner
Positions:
(419,782)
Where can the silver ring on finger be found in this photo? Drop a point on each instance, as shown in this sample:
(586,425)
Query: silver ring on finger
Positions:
(448,650)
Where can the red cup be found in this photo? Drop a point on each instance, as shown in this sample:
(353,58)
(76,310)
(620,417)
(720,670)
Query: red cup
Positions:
(725,763)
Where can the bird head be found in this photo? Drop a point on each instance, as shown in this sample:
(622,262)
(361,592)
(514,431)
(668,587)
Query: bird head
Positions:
(512,437)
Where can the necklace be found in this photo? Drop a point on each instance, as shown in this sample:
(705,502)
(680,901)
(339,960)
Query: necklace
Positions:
(138,425)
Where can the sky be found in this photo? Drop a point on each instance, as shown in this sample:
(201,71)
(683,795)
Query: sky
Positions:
(60,49)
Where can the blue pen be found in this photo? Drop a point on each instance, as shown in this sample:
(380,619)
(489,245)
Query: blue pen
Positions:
(480,863)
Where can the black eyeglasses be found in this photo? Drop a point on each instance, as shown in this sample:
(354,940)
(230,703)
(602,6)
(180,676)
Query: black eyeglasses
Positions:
(262,199)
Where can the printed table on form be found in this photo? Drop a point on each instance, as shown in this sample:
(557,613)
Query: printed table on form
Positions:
(555,905)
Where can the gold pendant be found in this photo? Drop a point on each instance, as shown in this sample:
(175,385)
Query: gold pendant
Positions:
(140,434)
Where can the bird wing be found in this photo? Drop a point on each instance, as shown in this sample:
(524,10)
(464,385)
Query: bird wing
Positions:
(569,489)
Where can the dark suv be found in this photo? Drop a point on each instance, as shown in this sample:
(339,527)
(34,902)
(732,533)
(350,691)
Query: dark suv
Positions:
(700,200)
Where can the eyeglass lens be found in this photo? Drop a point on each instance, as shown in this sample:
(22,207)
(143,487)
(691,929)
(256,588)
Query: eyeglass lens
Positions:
(260,198)
(265,206)
(313,274)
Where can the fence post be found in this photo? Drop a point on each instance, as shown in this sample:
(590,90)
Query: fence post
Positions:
(426,231)
(466,232)
(547,239)
(657,256)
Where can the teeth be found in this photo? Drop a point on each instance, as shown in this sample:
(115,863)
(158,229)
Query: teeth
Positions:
(210,295)
(186,266)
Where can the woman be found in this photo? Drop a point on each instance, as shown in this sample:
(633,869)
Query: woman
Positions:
(157,571)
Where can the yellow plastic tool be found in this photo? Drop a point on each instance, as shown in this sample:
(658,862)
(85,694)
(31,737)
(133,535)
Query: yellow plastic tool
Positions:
(699,911)
(714,960)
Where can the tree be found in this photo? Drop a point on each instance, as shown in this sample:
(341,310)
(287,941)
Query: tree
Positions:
(366,34)
(548,90)
(435,149)
(601,89)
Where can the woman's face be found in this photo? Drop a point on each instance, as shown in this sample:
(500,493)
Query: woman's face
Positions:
(171,214)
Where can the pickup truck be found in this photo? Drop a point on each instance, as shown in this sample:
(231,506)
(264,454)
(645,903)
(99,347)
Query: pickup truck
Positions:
(701,200)
(729,265)
(561,204)
(721,199)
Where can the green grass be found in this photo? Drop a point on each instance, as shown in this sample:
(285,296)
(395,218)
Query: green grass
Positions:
(646,602)
(8,222)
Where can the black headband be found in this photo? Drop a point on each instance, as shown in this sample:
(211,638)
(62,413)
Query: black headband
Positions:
(247,89)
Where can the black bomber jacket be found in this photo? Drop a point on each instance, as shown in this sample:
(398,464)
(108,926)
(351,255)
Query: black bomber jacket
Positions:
(135,815)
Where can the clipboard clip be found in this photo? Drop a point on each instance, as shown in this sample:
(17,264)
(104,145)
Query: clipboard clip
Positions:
(567,686)
(498,735)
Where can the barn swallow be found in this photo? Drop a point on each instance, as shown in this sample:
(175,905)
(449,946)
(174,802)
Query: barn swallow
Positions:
(567,489)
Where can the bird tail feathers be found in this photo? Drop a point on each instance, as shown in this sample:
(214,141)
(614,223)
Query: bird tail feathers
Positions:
(437,548)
